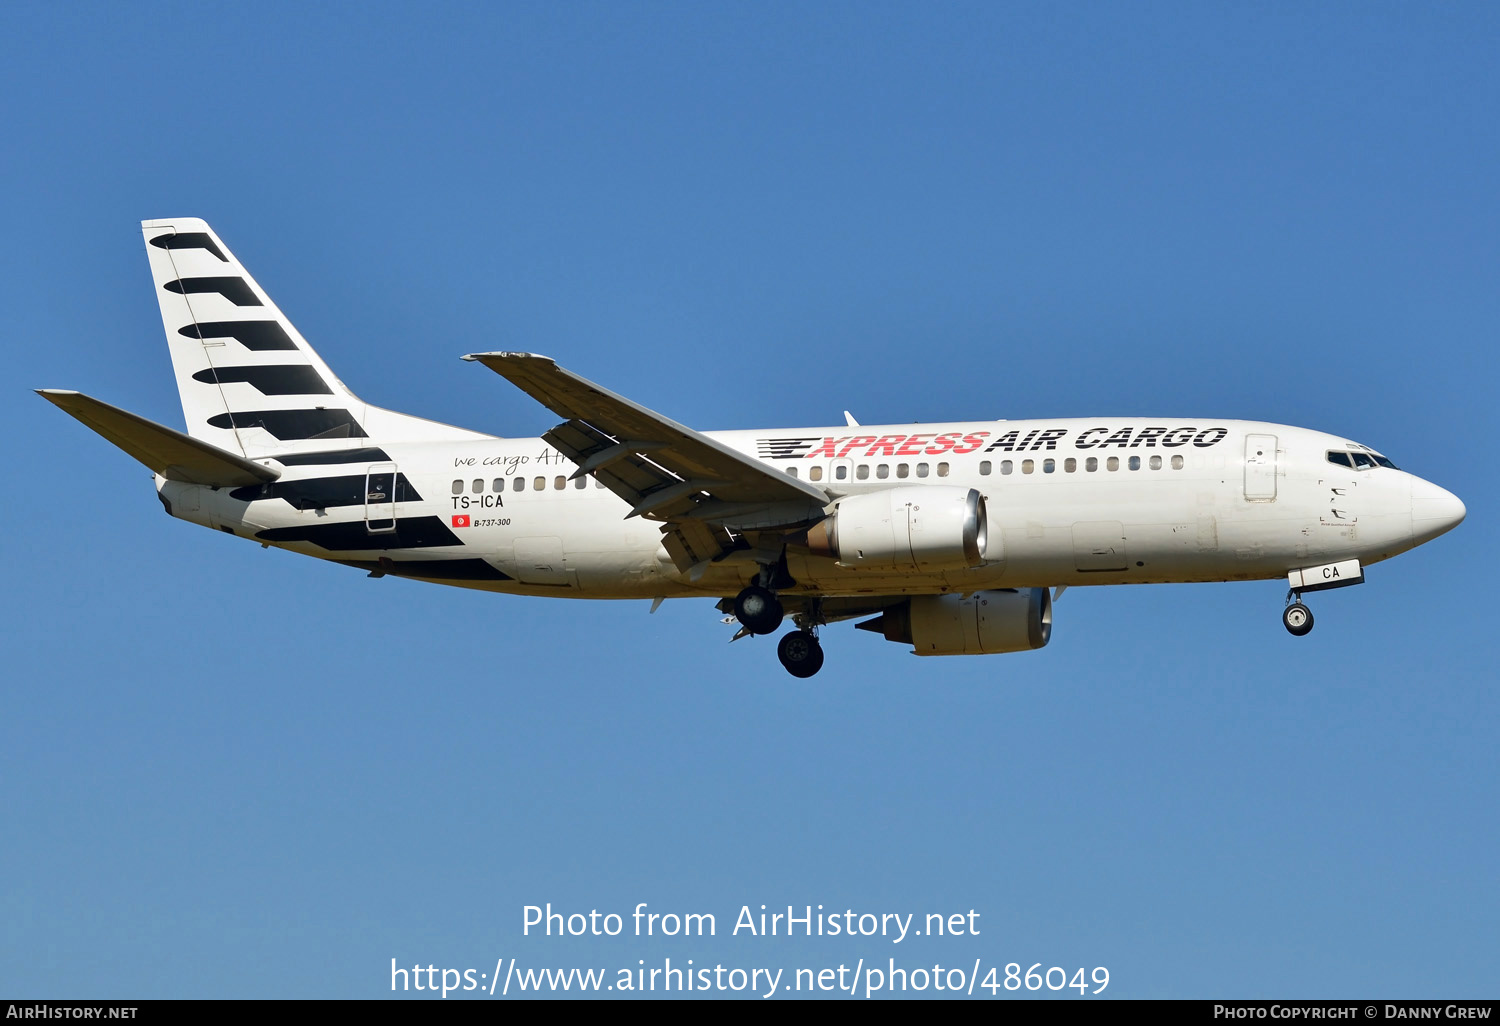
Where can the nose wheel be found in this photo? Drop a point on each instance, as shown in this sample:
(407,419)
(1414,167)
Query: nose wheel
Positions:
(801,653)
(1297,618)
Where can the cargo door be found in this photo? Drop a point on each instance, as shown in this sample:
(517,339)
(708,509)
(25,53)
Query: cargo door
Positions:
(1099,545)
(540,561)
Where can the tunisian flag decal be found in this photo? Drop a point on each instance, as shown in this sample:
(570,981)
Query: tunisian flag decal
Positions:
(461,520)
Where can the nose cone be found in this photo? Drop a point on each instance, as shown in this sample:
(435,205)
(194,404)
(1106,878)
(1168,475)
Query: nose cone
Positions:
(1434,511)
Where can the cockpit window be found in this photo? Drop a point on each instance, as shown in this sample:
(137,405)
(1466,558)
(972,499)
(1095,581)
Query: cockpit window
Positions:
(1362,460)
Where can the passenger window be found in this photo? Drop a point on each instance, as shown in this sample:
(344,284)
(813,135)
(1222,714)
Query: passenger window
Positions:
(458,487)
(1135,463)
(498,484)
(581,483)
(862,471)
(792,471)
(1341,458)
(984,467)
(540,484)
(478,485)
(814,473)
(922,470)
(1048,466)
(902,469)
(1177,462)
(1156,463)
(1070,465)
(841,472)
(598,483)
(1091,464)
(1028,466)
(942,470)
(1006,466)
(1113,463)
(882,471)
(559,483)
(518,484)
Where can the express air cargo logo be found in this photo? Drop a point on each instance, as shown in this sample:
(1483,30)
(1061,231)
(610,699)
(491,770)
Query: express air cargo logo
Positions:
(958,443)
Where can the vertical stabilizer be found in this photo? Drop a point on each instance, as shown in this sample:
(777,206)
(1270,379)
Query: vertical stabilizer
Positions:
(249,381)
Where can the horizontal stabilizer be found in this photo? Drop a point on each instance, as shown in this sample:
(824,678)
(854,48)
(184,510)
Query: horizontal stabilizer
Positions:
(169,453)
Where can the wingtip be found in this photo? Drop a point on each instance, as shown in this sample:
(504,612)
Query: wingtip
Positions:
(507,356)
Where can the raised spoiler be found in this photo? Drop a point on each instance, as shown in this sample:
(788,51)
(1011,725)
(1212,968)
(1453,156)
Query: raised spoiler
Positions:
(169,453)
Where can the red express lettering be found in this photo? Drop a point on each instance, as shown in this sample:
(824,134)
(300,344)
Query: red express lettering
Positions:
(913,446)
(942,443)
(855,443)
(971,442)
(830,447)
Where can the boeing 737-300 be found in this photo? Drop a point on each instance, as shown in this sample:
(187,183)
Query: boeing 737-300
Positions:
(948,537)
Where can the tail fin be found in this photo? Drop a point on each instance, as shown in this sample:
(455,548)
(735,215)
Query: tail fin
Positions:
(249,382)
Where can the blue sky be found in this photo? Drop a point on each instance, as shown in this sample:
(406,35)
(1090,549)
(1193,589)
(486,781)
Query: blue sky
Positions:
(234,772)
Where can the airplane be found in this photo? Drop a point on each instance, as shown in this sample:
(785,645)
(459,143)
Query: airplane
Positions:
(952,538)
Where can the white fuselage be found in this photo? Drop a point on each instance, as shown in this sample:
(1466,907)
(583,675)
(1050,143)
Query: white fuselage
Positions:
(1070,502)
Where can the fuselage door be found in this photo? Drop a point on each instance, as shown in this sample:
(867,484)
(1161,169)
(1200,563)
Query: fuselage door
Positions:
(380,498)
(1260,468)
(1099,545)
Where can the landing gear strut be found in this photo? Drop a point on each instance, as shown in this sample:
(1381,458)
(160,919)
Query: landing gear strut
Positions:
(1297,618)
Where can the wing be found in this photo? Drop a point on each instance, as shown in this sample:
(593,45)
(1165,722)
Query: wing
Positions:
(702,490)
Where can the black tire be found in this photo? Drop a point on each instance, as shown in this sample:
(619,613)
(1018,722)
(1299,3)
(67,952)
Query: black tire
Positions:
(758,610)
(801,653)
(1297,619)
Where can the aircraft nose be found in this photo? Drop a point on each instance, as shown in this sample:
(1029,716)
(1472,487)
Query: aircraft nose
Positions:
(1434,511)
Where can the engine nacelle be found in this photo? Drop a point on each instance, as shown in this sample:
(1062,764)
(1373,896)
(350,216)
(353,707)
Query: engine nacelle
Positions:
(985,623)
(930,528)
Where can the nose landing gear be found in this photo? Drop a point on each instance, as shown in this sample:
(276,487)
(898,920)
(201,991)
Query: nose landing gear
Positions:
(1297,618)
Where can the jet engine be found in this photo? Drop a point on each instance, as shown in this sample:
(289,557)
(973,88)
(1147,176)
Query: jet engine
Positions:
(926,528)
(985,623)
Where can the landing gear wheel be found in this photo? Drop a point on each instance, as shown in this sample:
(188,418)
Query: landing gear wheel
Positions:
(1298,619)
(758,609)
(800,653)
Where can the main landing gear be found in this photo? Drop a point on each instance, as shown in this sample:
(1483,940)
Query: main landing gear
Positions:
(759,611)
(1297,618)
(800,653)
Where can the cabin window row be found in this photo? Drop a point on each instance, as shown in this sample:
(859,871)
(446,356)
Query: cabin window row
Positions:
(518,484)
(1090,465)
(840,472)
